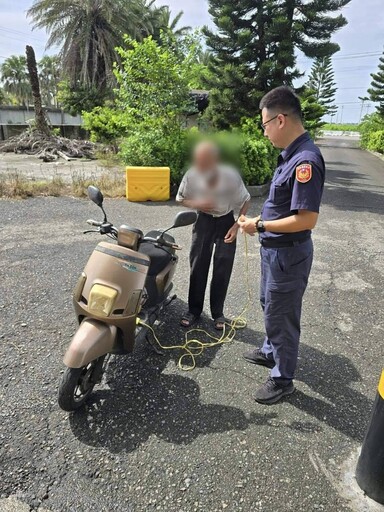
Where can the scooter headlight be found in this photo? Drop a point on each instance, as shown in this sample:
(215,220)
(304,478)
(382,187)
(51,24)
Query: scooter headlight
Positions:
(101,299)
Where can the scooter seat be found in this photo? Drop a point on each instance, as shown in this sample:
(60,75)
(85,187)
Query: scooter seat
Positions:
(160,256)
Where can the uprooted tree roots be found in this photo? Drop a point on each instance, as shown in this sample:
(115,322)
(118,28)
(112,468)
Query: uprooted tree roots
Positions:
(49,148)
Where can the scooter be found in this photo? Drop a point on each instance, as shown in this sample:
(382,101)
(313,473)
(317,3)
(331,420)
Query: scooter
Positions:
(120,294)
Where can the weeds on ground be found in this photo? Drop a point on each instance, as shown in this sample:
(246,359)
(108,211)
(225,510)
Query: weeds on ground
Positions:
(112,184)
(17,185)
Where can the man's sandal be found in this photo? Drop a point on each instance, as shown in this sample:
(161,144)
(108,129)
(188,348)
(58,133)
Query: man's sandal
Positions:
(220,323)
(188,320)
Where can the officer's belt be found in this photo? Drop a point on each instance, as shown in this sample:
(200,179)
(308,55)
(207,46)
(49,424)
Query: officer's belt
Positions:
(275,244)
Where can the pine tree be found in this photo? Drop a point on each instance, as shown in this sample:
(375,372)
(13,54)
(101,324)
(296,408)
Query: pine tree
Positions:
(254,48)
(321,81)
(376,92)
(313,111)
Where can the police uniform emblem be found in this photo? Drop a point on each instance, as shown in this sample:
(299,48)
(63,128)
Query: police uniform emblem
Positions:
(303,173)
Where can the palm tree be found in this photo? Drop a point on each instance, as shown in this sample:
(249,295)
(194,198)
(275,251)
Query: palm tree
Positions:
(88,32)
(49,76)
(42,125)
(14,75)
(2,96)
(163,21)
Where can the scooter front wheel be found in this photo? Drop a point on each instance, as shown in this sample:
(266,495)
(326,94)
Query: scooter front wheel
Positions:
(77,384)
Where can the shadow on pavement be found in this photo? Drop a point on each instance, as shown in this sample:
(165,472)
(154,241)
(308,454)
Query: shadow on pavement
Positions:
(331,165)
(352,191)
(332,376)
(143,401)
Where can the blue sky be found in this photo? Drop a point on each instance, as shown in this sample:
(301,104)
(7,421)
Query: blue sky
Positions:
(361,42)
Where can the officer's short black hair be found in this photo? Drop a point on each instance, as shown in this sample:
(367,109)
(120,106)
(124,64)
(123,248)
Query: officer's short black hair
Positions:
(282,100)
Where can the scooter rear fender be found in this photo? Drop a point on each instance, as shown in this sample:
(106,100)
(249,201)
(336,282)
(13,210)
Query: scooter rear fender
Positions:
(92,339)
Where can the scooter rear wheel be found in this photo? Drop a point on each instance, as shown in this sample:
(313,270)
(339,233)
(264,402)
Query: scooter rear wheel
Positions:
(77,384)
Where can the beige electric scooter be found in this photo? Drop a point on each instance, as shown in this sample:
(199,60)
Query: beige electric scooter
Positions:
(122,282)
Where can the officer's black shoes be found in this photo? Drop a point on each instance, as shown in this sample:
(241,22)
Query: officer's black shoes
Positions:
(256,356)
(271,392)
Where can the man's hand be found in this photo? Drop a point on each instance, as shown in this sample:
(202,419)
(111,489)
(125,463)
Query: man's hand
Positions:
(204,206)
(247,224)
(232,234)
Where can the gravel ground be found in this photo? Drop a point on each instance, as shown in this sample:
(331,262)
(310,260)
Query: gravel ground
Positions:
(33,167)
(154,438)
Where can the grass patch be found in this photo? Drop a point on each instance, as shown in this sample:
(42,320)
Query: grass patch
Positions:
(112,184)
(341,127)
(17,185)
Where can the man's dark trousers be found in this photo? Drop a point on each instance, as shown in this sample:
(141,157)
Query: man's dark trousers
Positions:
(284,278)
(208,234)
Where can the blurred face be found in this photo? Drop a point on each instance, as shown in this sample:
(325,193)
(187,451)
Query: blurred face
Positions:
(274,125)
(205,157)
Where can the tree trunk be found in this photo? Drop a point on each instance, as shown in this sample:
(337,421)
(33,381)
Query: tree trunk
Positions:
(42,125)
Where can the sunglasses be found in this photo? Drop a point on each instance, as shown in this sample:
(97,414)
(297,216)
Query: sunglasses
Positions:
(263,125)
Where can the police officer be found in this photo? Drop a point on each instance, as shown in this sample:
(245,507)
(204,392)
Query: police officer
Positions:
(284,226)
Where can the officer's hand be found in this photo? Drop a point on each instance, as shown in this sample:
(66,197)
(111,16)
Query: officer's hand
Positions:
(232,234)
(247,224)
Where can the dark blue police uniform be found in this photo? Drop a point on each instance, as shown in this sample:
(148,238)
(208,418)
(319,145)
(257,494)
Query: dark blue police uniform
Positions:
(286,258)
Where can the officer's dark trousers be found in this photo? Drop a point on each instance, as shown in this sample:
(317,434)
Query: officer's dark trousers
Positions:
(284,278)
(208,234)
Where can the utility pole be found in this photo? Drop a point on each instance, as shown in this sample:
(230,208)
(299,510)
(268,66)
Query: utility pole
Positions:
(363,100)
(341,114)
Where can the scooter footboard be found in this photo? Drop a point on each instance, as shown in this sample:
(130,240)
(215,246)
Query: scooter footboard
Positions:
(93,339)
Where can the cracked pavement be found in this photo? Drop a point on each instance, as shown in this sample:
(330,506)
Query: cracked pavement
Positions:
(154,438)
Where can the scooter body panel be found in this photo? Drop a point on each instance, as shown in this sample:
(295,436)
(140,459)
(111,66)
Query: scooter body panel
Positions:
(120,273)
(92,340)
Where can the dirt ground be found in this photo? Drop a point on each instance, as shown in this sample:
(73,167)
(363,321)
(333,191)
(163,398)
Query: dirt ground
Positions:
(34,168)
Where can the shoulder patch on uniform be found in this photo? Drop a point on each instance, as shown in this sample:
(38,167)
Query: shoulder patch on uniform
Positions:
(303,173)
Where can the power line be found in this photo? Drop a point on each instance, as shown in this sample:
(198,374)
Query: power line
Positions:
(18,32)
(21,40)
(351,103)
(358,56)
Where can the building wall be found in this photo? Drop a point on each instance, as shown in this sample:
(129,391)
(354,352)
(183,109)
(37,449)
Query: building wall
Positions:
(14,120)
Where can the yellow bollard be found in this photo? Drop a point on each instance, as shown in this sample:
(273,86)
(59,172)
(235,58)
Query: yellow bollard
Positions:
(148,183)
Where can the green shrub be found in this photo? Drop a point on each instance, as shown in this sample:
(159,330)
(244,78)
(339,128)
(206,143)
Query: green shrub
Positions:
(159,146)
(375,141)
(249,152)
(257,163)
(107,124)
(254,157)
(371,123)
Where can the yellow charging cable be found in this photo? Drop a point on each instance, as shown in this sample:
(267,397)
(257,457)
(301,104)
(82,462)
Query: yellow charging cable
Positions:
(193,347)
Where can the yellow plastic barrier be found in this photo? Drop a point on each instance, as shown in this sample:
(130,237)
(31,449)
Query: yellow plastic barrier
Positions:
(148,183)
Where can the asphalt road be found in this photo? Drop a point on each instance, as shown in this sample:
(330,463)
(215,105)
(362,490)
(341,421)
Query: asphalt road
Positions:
(154,438)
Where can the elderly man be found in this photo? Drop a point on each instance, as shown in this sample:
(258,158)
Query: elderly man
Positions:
(284,226)
(216,191)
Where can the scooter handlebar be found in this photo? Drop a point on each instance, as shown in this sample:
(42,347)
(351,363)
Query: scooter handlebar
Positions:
(92,222)
(162,241)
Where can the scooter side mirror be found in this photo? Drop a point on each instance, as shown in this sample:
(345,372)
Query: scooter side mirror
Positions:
(95,195)
(184,219)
